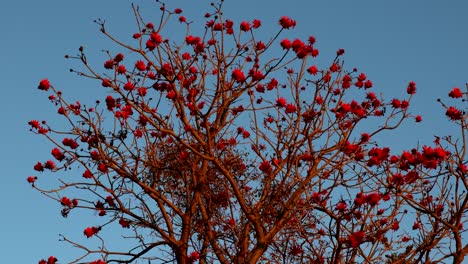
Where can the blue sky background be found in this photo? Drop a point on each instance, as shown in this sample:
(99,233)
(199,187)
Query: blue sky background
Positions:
(393,42)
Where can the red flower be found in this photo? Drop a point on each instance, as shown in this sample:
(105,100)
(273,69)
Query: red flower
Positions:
(129,86)
(462,167)
(218,27)
(312,70)
(94,155)
(191,40)
(404,104)
(281,102)
(265,167)
(38,167)
(379,112)
(359,84)
(34,124)
(456,93)
(272,84)
(110,103)
(386,197)
(368,84)
(319,100)
(315,53)
(290,108)
(411,89)
(356,239)
(453,113)
(347,82)
(396,103)
(150,45)
(52,260)
(186,56)
(136,35)
(42,130)
(395,226)
(418,118)
(295,250)
(371,96)
(194,256)
(177,11)
(260,46)
(91,231)
(238,76)
(140,65)
(373,198)
(70,143)
(365,137)
(359,200)
(65,201)
(341,206)
(245,26)
(110,201)
(58,154)
(31,179)
(87,174)
(312,40)
(256,23)
(103,168)
(62,111)
(119,57)
(44,84)
(150,25)
(138,133)
(49,165)
(156,38)
(334,67)
(297,44)
(109,64)
(106,83)
(142,91)
(286,44)
(256,75)
(124,223)
(362,77)
(287,22)
(98,262)
(171,95)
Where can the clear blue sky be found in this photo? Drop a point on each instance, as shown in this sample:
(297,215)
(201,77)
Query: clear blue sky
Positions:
(393,42)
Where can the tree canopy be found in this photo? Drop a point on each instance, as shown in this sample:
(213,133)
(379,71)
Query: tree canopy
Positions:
(221,147)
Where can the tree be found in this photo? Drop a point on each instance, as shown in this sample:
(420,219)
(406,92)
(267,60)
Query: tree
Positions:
(220,147)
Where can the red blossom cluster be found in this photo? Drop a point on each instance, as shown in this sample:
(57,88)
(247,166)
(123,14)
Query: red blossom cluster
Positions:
(50,260)
(44,85)
(371,199)
(355,239)
(287,22)
(91,231)
(301,49)
(69,142)
(453,113)
(65,201)
(98,262)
